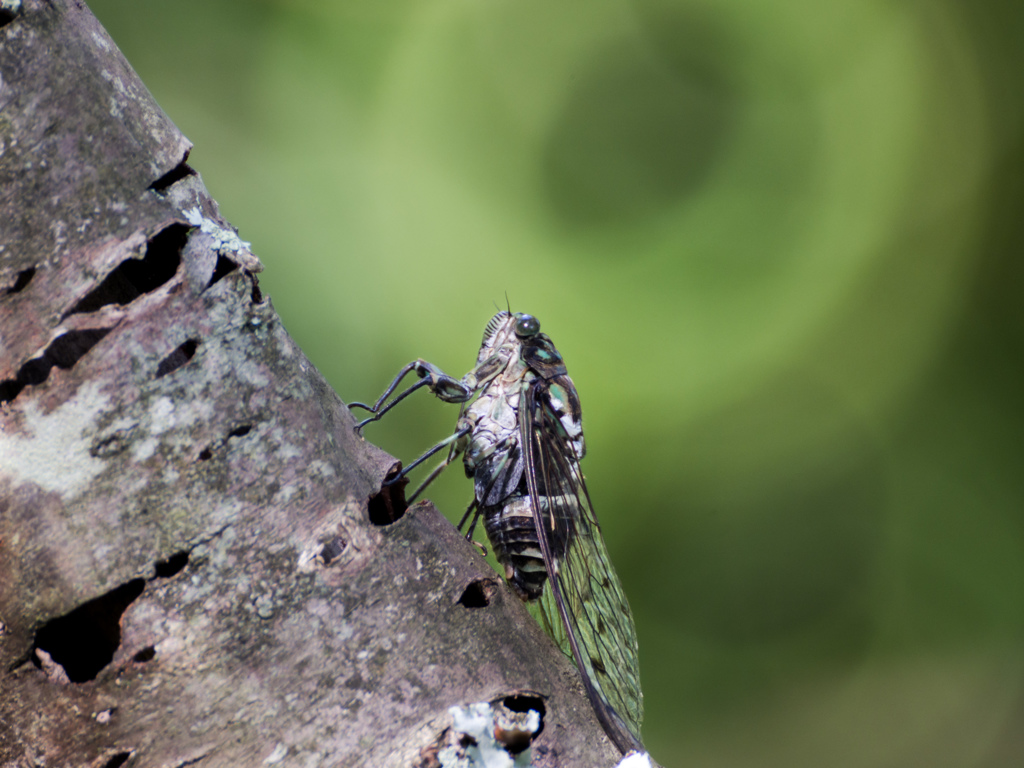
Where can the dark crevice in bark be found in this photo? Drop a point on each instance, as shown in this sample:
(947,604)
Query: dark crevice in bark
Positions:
(181,171)
(177,358)
(478,594)
(225,266)
(388,505)
(7,16)
(240,431)
(524,702)
(110,445)
(257,294)
(146,654)
(117,760)
(84,640)
(172,566)
(63,352)
(331,550)
(22,280)
(134,277)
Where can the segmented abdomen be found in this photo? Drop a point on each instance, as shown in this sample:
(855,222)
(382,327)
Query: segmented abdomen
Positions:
(512,531)
(513,536)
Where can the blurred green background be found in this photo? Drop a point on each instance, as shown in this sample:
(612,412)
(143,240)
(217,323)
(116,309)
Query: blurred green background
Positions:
(779,245)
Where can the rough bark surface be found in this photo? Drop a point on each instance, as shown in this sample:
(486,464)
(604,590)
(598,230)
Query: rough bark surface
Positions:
(190,571)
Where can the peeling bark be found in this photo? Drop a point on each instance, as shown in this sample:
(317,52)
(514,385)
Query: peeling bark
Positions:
(191,571)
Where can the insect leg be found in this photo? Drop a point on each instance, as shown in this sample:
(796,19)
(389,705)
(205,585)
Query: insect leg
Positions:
(376,409)
(452,454)
(445,387)
(457,435)
(454,450)
(472,506)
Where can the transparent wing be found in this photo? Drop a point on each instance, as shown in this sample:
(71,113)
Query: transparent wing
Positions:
(583,606)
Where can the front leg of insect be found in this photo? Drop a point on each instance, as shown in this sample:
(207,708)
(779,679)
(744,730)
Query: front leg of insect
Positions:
(521,436)
(446,387)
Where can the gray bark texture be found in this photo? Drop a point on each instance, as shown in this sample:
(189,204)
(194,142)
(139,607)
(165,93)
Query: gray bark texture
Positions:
(191,571)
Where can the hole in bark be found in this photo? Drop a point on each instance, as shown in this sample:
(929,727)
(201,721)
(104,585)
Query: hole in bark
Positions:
(7,15)
(63,352)
(117,760)
(84,641)
(205,455)
(241,431)
(134,277)
(522,702)
(478,594)
(172,566)
(388,505)
(225,266)
(22,280)
(146,654)
(257,294)
(177,358)
(330,550)
(180,171)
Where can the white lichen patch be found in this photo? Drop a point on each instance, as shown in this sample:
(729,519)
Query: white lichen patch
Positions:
(252,373)
(285,449)
(161,415)
(115,108)
(280,753)
(164,415)
(100,40)
(51,449)
(477,721)
(145,448)
(224,240)
(635,760)
(286,493)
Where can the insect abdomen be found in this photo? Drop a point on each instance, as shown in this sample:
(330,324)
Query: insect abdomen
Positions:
(513,536)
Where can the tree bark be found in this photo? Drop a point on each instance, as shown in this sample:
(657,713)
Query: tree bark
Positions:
(191,571)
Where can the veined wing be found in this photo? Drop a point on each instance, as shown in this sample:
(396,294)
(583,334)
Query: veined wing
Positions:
(583,605)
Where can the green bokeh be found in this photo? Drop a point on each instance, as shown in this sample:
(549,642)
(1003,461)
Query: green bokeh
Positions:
(779,246)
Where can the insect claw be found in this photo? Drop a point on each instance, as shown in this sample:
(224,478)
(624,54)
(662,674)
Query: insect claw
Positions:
(478,545)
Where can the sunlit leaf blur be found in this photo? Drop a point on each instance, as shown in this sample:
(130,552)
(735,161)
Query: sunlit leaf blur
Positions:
(780,247)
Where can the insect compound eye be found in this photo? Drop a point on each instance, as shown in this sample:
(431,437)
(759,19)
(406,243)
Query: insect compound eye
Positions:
(526,326)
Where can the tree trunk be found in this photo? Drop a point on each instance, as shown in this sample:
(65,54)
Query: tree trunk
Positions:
(192,570)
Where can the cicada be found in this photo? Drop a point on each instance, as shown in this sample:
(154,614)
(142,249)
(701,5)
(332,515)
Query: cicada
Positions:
(521,438)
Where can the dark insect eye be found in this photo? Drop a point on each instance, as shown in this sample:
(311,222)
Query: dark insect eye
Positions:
(526,325)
